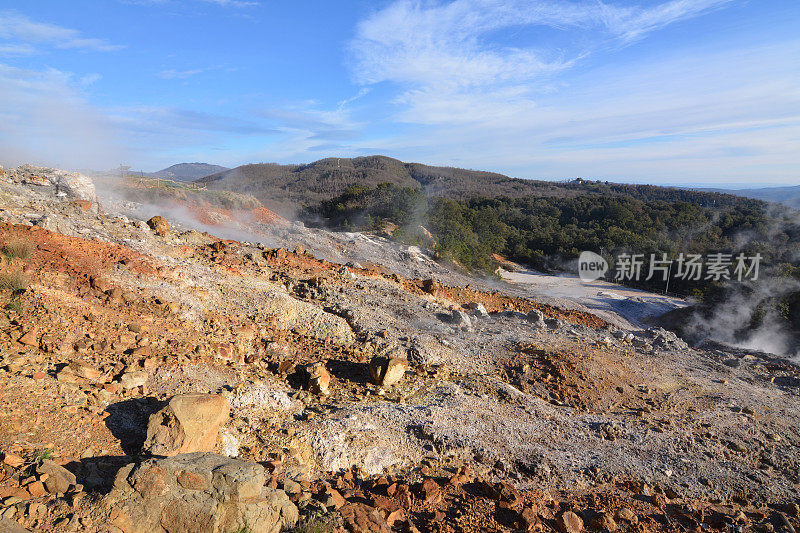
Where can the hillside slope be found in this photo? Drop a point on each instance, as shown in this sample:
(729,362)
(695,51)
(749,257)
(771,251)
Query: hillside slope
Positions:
(285,188)
(187,171)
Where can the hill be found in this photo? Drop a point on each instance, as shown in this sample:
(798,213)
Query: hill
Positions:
(788,196)
(285,188)
(187,171)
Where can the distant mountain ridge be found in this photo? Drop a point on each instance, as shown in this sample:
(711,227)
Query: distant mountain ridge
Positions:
(789,196)
(187,171)
(285,188)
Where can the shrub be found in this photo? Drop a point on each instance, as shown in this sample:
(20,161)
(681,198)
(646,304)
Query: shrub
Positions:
(14,280)
(19,249)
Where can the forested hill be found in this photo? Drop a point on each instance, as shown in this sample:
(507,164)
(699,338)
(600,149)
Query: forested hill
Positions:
(285,188)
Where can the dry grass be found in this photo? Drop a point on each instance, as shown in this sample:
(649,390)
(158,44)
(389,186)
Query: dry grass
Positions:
(18,249)
(14,280)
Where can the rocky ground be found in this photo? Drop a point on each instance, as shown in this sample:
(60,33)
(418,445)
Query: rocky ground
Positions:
(156,378)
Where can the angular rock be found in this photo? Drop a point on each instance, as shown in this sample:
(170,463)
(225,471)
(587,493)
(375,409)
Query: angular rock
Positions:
(59,479)
(461,320)
(386,371)
(189,423)
(603,521)
(430,286)
(536,317)
(29,339)
(78,371)
(202,492)
(319,378)
(361,518)
(569,522)
(12,460)
(159,225)
(133,379)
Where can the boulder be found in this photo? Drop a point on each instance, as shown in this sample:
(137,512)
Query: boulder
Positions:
(536,317)
(461,320)
(386,371)
(72,185)
(569,522)
(159,225)
(319,378)
(202,492)
(58,480)
(283,312)
(188,423)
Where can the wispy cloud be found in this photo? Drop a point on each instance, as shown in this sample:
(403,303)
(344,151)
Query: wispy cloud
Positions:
(172,74)
(234,3)
(23,32)
(722,116)
(9,50)
(222,3)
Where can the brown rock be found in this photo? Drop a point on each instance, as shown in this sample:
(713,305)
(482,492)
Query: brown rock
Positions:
(624,513)
(430,286)
(36,489)
(569,522)
(30,338)
(12,460)
(335,499)
(659,500)
(603,521)
(197,492)
(159,225)
(319,378)
(431,492)
(386,371)
(189,423)
(528,518)
(403,495)
(361,518)
(59,479)
(77,371)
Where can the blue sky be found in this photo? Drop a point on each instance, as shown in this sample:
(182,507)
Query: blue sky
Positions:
(694,92)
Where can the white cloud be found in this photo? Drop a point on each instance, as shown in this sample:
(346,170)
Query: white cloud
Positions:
(724,116)
(467,99)
(445,45)
(20,29)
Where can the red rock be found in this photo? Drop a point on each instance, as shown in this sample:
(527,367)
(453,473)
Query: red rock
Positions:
(36,489)
(569,522)
(29,339)
(528,518)
(432,494)
(14,461)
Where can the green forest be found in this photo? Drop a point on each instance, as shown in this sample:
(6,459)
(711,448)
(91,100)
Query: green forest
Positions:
(547,233)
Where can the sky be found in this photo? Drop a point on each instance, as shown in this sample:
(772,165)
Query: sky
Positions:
(680,92)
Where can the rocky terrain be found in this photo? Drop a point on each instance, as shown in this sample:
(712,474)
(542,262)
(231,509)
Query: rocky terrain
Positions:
(158,378)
